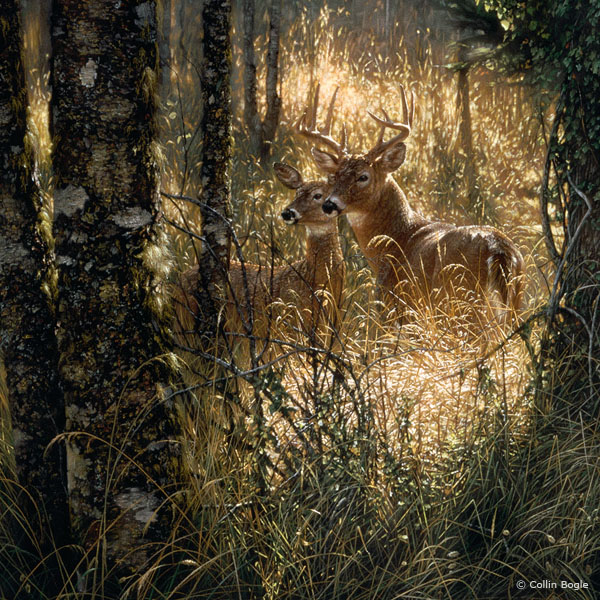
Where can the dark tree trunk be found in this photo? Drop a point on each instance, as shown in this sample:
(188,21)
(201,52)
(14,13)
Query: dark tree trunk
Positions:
(573,345)
(273,100)
(165,49)
(216,163)
(261,133)
(251,116)
(27,339)
(123,455)
(465,135)
(463,106)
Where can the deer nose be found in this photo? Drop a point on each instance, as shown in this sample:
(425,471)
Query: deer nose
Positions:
(290,216)
(330,205)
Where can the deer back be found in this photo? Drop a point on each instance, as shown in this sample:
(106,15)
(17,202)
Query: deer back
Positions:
(405,249)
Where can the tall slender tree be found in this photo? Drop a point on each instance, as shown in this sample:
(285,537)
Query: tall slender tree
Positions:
(481,36)
(123,455)
(27,339)
(261,131)
(215,195)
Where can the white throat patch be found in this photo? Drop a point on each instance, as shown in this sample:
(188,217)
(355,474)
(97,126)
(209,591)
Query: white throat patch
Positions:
(355,219)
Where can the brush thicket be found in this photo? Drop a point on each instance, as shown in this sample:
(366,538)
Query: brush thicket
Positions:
(379,461)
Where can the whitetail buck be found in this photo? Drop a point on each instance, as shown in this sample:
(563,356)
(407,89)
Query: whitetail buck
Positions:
(313,285)
(411,256)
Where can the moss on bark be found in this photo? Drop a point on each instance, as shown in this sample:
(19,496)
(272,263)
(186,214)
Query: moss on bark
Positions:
(123,455)
(27,340)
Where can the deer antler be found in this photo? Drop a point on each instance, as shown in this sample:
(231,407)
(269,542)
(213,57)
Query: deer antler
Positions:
(386,122)
(307,124)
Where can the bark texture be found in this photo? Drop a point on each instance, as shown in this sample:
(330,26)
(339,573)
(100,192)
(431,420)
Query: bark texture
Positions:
(251,115)
(463,106)
(216,164)
(165,49)
(261,132)
(273,100)
(123,455)
(27,340)
(573,347)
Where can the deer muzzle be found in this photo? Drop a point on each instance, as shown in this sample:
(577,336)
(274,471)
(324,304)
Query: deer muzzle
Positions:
(290,216)
(333,206)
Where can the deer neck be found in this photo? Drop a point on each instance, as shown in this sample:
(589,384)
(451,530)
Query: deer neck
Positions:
(388,214)
(323,250)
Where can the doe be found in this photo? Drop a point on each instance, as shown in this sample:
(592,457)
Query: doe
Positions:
(313,285)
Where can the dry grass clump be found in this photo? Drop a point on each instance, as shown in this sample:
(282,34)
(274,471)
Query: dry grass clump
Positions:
(377,461)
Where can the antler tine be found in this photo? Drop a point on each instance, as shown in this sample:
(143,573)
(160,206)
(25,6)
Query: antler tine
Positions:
(298,123)
(307,124)
(329,119)
(404,105)
(386,122)
(381,134)
(315,107)
(408,115)
(382,130)
(405,127)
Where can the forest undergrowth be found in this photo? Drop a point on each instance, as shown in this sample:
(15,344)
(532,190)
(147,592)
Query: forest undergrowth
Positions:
(383,461)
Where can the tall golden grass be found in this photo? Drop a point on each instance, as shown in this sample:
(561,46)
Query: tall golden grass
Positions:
(395,462)
(426,362)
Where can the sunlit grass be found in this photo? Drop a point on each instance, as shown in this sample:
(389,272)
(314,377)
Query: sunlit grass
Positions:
(383,461)
(400,414)
(424,370)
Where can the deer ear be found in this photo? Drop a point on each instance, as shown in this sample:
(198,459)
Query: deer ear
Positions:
(325,161)
(393,157)
(289,176)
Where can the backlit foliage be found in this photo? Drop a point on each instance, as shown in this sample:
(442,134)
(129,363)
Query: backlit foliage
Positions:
(378,462)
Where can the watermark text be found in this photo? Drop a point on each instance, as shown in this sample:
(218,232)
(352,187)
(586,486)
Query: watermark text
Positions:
(546,584)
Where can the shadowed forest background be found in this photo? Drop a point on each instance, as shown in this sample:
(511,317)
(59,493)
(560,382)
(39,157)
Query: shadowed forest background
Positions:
(233,457)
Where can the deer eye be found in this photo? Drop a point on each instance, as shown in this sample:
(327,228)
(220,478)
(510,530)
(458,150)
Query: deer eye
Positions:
(363,177)
(317,196)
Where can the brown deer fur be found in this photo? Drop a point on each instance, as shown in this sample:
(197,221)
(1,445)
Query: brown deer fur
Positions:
(414,257)
(255,290)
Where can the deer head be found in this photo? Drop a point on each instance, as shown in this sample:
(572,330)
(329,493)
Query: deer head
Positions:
(307,207)
(357,180)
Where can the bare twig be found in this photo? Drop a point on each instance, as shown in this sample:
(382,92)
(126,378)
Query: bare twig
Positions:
(546,229)
(554,294)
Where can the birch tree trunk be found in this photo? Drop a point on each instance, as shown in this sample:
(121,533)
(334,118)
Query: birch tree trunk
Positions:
(216,164)
(123,455)
(27,339)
